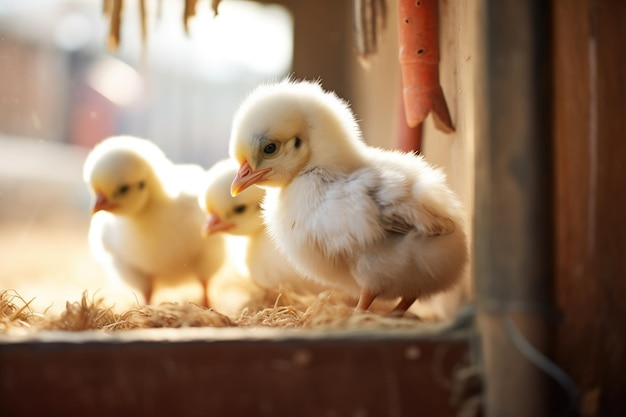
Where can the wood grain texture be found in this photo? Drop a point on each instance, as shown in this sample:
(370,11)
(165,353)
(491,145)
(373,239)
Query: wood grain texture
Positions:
(323,377)
(590,123)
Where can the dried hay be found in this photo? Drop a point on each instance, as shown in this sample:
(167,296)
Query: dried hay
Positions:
(15,312)
(114,9)
(286,309)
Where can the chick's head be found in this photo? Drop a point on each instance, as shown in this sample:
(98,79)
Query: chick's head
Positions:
(120,175)
(239,215)
(281,129)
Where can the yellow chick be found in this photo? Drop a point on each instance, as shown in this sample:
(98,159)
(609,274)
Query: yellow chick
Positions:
(372,222)
(144,217)
(241,216)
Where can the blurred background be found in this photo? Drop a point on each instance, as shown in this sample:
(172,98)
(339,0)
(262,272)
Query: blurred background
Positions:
(62,91)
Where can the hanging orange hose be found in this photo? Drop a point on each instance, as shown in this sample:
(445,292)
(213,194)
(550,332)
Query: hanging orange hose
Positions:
(408,138)
(419,60)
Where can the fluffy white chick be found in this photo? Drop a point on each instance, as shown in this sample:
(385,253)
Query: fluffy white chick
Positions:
(373,222)
(241,216)
(145,218)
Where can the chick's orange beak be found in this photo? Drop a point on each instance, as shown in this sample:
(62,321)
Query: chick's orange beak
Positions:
(102,203)
(246,177)
(214,224)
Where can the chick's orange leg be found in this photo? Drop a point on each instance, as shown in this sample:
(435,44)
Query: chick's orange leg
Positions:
(404,304)
(147,294)
(366,299)
(205,293)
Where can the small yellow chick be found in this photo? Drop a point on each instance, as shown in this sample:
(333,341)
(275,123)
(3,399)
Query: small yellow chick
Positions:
(372,222)
(241,216)
(145,219)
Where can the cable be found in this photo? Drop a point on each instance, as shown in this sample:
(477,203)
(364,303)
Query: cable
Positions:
(542,362)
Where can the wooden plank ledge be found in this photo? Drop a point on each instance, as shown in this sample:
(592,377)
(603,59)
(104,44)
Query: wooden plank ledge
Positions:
(235,372)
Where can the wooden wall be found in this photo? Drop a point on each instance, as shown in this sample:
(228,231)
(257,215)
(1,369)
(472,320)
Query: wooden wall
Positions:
(376,100)
(590,162)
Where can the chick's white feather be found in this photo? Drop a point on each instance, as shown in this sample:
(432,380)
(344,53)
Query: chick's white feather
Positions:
(241,216)
(150,223)
(382,223)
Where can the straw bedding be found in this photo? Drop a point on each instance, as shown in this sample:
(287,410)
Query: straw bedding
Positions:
(266,309)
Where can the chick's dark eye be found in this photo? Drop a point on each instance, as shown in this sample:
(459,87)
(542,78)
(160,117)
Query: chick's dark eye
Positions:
(141,185)
(240,209)
(269,149)
(123,189)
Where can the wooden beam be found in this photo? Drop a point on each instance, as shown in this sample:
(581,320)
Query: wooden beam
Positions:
(323,42)
(513,229)
(296,374)
(590,86)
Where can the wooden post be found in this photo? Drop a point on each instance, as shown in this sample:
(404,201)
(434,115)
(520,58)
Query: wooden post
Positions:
(513,231)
